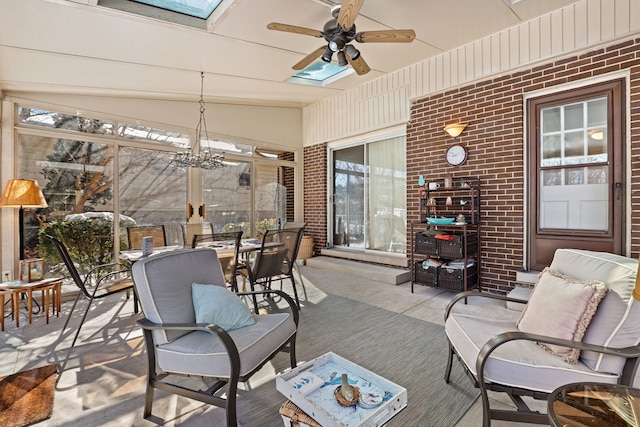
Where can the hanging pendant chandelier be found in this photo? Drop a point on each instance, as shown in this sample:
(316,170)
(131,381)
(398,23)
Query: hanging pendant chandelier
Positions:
(200,157)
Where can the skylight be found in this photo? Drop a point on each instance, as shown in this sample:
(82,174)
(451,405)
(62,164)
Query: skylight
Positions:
(320,74)
(197,8)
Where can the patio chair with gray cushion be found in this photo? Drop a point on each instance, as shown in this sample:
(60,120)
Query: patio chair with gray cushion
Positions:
(196,327)
(581,324)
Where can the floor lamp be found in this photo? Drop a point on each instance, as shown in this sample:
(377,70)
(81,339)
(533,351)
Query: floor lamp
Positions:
(22,193)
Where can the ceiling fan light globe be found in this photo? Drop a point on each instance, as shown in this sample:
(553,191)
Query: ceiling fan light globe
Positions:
(326,56)
(342,59)
(352,51)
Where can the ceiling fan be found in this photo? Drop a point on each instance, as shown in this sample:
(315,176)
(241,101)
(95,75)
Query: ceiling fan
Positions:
(339,32)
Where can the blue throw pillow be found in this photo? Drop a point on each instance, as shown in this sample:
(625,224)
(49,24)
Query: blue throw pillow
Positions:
(215,304)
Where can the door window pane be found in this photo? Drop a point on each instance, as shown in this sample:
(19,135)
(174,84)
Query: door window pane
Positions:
(551,120)
(573,116)
(596,144)
(573,145)
(551,150)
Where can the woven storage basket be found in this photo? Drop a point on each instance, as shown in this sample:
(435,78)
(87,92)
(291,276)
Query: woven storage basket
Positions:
(425,276)
(453,278)
(426,244)
(454,249)
(297,417)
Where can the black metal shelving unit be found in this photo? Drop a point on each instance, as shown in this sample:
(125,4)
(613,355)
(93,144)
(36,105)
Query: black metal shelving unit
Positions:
(462,241)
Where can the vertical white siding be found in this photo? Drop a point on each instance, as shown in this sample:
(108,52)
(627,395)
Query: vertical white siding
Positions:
(386,101)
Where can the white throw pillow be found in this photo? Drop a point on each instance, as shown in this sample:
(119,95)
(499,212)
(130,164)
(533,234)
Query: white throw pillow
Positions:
(561,307)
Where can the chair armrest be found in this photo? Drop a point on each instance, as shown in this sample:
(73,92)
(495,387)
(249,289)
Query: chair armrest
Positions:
(464,295)
(495,342)
(284,295)
(211,328)
(111,265)
(98,274)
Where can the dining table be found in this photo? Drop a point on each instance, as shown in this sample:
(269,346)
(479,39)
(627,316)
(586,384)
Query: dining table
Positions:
(222,248)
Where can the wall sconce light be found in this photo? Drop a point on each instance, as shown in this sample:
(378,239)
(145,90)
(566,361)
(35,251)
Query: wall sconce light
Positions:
(455,129)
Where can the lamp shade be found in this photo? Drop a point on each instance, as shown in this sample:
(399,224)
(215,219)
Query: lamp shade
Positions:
(454,129)
(22,193)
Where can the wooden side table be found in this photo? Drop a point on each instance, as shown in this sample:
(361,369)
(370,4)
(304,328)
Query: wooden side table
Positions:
(594,404)
(51,289)
(4,293)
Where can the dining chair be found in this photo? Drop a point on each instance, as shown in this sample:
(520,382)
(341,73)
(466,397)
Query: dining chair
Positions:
(275,260)
(100,282)
(135,235)
(296,225)
(189,230)
(227,253)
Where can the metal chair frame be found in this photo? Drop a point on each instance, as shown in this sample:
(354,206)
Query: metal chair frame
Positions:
(523,413)
(276,263)
(104,278)
(189,230)
(229,268)
(156,380)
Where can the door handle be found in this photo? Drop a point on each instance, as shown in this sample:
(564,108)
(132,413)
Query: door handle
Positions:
(618,191)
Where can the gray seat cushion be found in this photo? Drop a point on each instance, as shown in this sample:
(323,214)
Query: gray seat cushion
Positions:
(201,353)
(517,363)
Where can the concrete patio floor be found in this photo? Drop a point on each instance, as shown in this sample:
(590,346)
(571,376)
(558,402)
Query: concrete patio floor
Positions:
(104,381)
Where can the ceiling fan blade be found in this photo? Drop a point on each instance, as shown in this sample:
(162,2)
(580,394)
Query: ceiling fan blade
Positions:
(295,29)
(359,65)
(349,9)
(386,36)
(309,58)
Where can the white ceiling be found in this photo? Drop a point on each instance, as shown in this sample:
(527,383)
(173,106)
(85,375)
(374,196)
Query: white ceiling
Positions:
(82,47)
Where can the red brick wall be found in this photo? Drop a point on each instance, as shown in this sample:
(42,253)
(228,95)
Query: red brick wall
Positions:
(315,194)
(494,110)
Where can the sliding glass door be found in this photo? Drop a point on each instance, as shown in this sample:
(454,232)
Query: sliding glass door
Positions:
(369,196)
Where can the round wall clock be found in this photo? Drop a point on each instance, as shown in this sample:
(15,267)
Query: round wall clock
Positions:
(456,155)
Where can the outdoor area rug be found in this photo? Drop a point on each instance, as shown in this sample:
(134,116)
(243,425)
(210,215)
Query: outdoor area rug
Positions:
(27,397)
(407,351)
